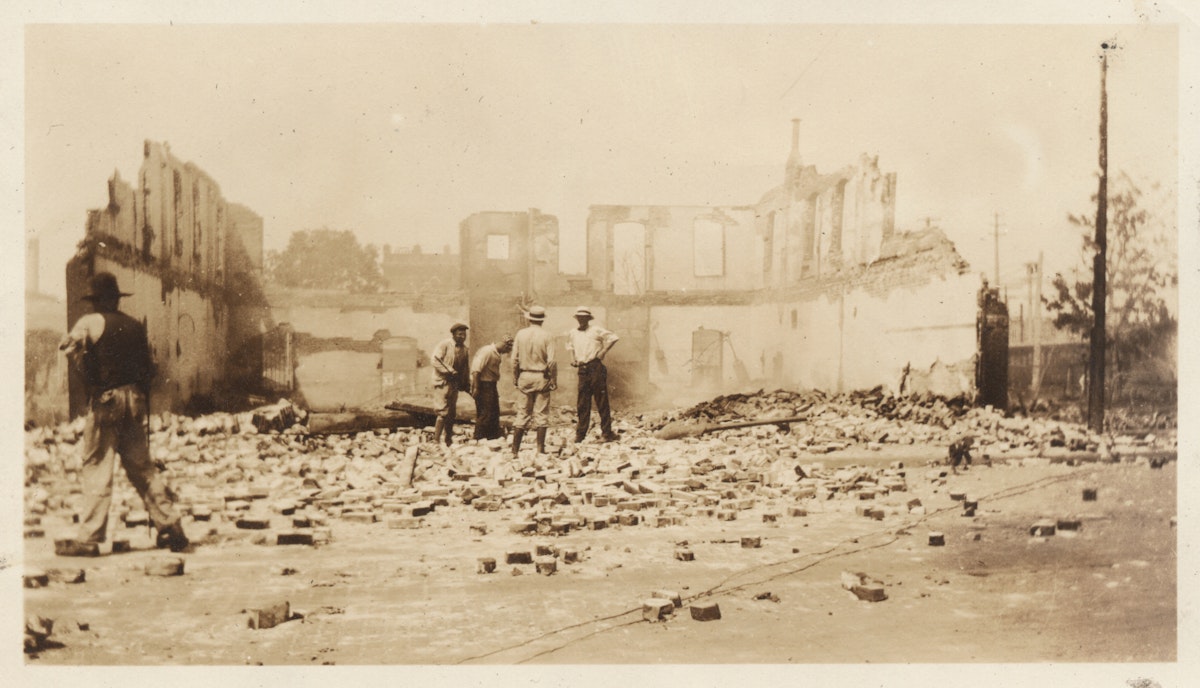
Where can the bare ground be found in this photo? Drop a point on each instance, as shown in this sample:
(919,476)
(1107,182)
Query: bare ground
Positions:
(376,595)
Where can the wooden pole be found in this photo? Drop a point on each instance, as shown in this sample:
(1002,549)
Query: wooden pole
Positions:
(1099,262)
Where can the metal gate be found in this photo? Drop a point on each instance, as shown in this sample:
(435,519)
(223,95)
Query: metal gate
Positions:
(279,359)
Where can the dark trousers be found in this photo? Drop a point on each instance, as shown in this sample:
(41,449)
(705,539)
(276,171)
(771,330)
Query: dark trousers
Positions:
(593,383)
(487,411)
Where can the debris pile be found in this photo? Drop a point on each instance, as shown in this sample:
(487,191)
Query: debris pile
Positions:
(261,476)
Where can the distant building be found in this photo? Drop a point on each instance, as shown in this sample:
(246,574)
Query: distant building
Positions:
(417,272)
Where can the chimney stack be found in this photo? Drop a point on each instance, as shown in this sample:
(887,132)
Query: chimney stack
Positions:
(32,260)
(794,163)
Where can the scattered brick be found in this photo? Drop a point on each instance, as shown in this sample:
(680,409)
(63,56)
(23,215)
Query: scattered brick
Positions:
(872,592)
(705,611)
(268,617)
(66,575)
(546,565)
(671,595)
(1071,524)
(250,523)
(685,555)
(937,539)
(137,518)
(35,578)
(1089,494)
(518,558)
(76,548)
(294,538)
(164,566)
(656,609)
(1042,528)
(751,542)
(487,565)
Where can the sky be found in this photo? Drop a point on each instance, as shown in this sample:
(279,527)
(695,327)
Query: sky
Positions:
(399,131)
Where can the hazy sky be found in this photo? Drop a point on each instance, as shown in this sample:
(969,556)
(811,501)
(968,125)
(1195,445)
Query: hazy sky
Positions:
(399,131)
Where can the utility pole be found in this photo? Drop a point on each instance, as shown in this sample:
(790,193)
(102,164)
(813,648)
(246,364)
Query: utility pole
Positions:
(1099,263)
(1035,314)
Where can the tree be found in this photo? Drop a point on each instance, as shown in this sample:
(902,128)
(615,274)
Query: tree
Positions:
(326,259)
(1141,274)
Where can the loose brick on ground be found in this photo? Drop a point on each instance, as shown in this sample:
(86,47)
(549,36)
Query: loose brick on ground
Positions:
(268,617)
(705,611)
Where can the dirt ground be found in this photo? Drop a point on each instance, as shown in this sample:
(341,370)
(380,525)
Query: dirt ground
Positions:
(375,595)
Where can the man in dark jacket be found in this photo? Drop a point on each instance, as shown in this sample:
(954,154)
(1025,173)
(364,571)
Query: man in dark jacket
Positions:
(111,350)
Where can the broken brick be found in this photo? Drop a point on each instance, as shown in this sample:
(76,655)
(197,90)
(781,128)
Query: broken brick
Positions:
(656,609)
(487,565)
(685,555)
(546,565)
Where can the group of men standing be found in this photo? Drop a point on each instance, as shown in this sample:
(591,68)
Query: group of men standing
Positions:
(535,375)
(112,352)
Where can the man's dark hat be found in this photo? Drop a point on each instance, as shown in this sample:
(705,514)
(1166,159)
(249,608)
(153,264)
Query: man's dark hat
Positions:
(103,286)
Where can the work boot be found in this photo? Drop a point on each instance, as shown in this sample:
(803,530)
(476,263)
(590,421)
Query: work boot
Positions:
(437,430)
(516,445)
(449,432)
(541,440)
(172,537)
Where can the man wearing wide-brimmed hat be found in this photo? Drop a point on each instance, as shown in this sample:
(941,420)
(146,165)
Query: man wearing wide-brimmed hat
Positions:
(451,373)
(535,374)
(588,344)
(111,350)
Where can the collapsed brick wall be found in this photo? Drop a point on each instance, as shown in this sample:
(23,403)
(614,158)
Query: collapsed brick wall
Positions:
(339,340)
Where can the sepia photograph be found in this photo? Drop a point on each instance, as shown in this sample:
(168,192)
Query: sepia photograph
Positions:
(526,346)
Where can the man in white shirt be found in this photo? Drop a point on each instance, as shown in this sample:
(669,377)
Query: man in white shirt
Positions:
(451,373)
(485,372)
(588,345)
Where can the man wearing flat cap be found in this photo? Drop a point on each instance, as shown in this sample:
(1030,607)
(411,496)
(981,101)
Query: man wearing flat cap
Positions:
(485,373)
(535,373)
(588,344)
(112,352)
(451,373)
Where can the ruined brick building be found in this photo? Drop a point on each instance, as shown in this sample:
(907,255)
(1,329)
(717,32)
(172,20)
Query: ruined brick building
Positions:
(809,286)
(193,261)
